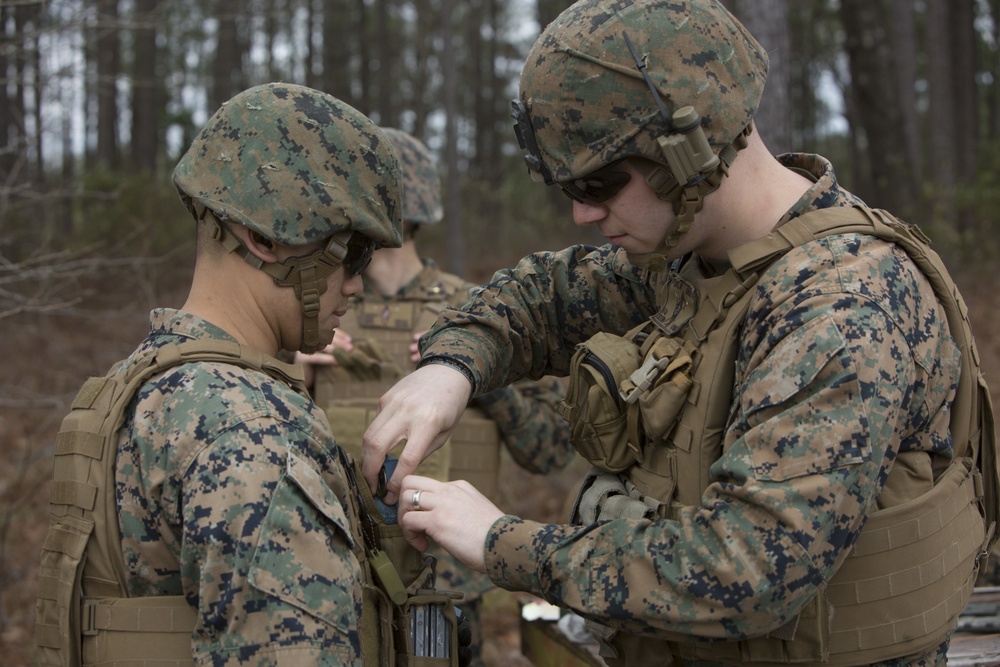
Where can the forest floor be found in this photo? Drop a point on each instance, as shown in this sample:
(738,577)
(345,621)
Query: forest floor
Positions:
(49,355)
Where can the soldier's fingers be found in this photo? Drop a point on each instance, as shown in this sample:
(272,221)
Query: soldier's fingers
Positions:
(415,529)
(421,442)
(377,441)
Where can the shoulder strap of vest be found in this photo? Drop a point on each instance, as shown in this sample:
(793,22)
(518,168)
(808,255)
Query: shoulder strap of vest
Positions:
(972,426)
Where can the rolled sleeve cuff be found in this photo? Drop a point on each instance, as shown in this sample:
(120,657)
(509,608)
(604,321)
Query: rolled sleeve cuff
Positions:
(518,551)
(511,561)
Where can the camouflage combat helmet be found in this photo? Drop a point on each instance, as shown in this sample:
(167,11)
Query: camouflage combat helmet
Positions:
(421,183)
(296,166)
(676,83)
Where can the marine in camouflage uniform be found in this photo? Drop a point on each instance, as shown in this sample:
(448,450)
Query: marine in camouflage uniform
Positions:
(208,503)
(525,413)
(844,362)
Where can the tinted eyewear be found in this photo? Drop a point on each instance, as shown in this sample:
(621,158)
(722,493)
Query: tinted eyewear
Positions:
(359,254)
(597,187)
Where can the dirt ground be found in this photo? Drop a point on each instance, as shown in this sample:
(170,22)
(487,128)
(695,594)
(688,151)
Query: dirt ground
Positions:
(50,354)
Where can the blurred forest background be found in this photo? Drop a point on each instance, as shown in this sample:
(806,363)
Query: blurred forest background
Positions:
(100,97)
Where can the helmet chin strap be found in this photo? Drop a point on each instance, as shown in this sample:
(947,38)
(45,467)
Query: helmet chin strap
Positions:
(687,200)
(307,275)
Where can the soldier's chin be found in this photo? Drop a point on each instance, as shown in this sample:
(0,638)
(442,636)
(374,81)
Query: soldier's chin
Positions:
(325,338)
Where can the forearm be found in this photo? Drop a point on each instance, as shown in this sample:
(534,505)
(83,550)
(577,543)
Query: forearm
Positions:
(713,573)
(528,320)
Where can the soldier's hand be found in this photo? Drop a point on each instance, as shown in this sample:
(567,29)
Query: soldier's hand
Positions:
(453,514)
(325,357)
(421,409)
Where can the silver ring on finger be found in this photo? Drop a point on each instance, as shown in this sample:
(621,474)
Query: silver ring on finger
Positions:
(415,500)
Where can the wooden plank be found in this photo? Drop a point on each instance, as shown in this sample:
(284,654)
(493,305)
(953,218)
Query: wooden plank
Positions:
(544,644)
(977,641)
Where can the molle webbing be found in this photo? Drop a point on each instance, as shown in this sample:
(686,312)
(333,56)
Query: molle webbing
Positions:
(82,550)
(904,558)
(899,592)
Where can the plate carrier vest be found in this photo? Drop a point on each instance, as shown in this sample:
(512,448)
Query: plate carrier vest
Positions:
(83,614)
(666,400)
(472,452)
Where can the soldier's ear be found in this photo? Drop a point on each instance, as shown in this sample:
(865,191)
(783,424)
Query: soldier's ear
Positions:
(259,245)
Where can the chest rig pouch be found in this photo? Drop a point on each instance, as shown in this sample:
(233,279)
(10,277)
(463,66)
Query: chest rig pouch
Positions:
(627,390)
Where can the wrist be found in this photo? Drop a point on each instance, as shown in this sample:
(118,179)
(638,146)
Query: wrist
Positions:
(451,363)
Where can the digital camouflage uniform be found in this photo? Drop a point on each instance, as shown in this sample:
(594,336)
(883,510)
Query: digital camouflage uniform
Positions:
(208,511)
(784,506)
(818,361)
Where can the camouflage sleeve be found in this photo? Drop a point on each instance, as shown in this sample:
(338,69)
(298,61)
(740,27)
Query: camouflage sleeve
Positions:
(534,432)
(266,553)
(527,321)
(846,361)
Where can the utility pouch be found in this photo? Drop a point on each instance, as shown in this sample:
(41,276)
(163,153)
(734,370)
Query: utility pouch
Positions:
(429,626)
(661,384)
(593,405)
(621,394)
(58,610)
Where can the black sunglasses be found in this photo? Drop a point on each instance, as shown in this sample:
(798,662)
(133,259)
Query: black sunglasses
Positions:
(359,254)
(597,187)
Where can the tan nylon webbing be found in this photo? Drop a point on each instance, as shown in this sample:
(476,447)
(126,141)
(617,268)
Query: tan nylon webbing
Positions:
(76,494)
(143,618)
(918,528)
(48,635)
(90,445)
(897,632)
(65,541)
(967,544)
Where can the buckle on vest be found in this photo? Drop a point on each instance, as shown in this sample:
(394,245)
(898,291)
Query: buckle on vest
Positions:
(88,619)
(643,378)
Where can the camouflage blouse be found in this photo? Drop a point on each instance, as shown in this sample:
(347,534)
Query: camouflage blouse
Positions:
(230,492)
(845,330)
